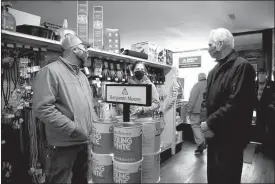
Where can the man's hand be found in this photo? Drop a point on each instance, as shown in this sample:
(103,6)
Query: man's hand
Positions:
(78,133)
(208,133)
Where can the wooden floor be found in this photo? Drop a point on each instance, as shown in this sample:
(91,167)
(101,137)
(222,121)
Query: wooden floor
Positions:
(185,167)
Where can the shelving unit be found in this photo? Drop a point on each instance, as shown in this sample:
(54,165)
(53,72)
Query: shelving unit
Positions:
(123,58)
(33,41)
(24,40)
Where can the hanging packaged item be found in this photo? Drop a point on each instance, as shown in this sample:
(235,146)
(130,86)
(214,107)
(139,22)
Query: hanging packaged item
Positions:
(147,48)
(8,21)
(112,40)
(98,63)
(165,56)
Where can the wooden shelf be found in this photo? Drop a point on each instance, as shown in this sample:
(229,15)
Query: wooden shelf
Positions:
(123,58)
(33,41)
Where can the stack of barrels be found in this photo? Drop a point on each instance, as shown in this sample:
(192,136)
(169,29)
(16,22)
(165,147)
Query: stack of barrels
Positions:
(151,130)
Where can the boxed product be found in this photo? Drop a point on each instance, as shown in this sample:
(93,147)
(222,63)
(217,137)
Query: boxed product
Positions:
(165,56)
(147,48)
(112,40)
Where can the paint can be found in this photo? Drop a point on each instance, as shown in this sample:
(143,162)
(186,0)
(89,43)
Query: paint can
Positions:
(102,136)
(151,130)
(101,168)
(151,168)
(127,172)
(128,142)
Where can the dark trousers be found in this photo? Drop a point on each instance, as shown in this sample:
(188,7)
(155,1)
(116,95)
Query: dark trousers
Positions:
(224,164)
(67,164)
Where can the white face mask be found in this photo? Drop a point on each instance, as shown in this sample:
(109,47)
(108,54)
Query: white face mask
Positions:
(214,49)
(262,77)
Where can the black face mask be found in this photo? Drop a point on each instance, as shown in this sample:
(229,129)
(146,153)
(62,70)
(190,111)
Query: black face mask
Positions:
(139,75)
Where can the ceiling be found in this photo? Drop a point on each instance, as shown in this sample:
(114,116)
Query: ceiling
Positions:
(177,25)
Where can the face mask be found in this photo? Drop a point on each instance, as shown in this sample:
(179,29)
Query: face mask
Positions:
(262,77)
(139,75)
(214,51)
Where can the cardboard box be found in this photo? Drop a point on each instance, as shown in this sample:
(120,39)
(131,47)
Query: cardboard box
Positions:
(165,56)
(147,48)
(112,40)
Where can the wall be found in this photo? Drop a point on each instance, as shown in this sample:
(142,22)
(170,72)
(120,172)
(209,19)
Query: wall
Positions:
(190,75)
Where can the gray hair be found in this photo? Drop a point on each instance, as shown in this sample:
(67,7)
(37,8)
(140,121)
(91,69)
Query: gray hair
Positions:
(222,34)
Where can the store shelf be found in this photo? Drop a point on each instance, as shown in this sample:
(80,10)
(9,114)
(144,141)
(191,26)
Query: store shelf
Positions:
(33,41)
(123,58)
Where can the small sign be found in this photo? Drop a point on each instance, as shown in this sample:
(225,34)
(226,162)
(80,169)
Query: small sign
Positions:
(82,20)
(98,27)
(133,94)
(190,62)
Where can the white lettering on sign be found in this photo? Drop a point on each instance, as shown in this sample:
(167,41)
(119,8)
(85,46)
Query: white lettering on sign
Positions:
(98,170)
(126,94)
(122,143)
(121,177)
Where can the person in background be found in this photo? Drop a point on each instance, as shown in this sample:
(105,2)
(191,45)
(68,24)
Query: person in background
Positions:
(229,100)
(194,109)
(140,71)
(265,103)
(63,102)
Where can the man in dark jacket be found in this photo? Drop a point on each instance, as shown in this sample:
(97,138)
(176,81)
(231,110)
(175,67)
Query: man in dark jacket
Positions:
(265,121)
(63,102)
(230,98)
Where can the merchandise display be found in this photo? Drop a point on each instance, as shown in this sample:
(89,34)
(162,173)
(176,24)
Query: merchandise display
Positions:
(121,152)
(148,48)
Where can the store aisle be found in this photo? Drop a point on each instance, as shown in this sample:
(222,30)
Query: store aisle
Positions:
(185,167)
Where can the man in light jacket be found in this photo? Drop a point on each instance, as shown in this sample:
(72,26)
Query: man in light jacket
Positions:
(63,102)
(194,109)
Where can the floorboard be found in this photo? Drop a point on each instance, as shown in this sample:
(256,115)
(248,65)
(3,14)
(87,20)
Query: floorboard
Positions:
(185,167)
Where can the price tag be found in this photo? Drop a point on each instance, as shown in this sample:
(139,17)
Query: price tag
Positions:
(35,49)
(100,76)
(43,49)
(28,88)
(19,45)
(116,79)
(20,107)
(27,46)
(123,80)
(3,142)
(38,171)
(108,78)
(10,45)
(10,116)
